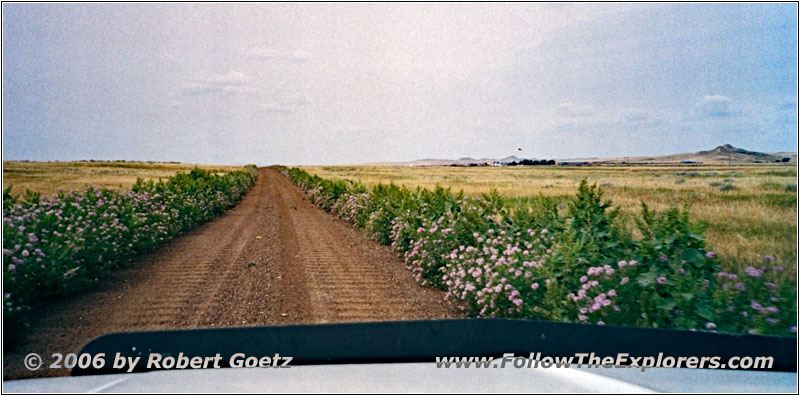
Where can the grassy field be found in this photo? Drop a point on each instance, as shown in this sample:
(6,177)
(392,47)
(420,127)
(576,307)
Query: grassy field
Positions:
(49,177)
(749,211)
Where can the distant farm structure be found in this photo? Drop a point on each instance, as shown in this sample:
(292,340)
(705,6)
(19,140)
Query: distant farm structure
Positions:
(524,162)
(722,155)
(504,162)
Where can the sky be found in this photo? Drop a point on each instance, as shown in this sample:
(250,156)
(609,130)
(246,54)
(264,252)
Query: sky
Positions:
(312,83)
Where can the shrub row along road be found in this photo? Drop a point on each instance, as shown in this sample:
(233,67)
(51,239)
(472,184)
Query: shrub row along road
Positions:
(274,259)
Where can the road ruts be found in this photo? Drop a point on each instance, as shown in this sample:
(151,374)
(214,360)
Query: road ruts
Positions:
(349,278)
(273,259)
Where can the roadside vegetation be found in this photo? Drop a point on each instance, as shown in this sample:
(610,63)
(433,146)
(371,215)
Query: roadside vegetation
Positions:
(60,244)
(572,257)
(747,211)
(52,177)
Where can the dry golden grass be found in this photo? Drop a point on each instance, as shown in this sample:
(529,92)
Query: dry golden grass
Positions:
(757,217)
(48,177)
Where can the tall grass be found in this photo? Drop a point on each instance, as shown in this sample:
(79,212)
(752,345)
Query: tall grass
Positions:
(59,245)
(755,219)
(51,177)
(574,259)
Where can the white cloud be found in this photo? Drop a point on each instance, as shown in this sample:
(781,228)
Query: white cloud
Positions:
(232,82)
(633,115)
(639,118)
(301,101)
(299,55)
(571,110)
(261,52)
(717,106)
(286,106)
(229,78)
(275,108)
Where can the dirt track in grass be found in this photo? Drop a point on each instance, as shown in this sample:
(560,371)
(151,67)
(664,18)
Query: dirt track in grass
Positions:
(274,259)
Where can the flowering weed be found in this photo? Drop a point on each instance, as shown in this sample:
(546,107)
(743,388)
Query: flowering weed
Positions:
(582,264)
(58,245)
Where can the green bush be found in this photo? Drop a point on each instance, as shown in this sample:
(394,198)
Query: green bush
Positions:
(59,245)
(522,258)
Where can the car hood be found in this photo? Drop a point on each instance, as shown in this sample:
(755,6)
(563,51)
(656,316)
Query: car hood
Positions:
(417,378)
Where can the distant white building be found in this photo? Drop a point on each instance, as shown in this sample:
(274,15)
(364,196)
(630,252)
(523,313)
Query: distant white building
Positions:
(501,163)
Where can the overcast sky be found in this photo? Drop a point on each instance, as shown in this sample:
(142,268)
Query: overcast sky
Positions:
(350,83)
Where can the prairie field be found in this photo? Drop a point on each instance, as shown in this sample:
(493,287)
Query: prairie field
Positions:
(63,245)
(748,211)
(49,177)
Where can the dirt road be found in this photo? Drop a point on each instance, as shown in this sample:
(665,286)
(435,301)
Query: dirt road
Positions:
(274,259)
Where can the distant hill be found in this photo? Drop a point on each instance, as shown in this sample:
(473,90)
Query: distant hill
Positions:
(512,158)
(465,161)
(720,155)
(726,151)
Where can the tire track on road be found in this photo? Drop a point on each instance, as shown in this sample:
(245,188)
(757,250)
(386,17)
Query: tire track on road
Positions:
(349,277)
(273,259)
